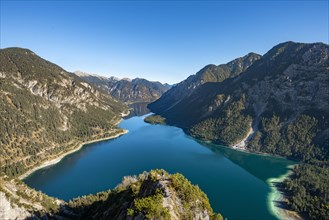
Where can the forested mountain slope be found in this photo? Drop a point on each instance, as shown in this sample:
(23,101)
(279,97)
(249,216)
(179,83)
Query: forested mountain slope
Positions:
(278,105)
(277,96)
(46,111)
(210,73)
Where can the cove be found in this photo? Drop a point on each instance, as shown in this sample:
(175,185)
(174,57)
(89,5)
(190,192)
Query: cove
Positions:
(235,182)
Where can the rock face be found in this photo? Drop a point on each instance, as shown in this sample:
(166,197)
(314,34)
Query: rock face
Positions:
(11,211)
(18,201)
(127,90)
(283,97)
(46,111)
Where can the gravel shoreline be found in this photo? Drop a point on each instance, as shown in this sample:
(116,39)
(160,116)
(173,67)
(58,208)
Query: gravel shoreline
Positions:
(59,158)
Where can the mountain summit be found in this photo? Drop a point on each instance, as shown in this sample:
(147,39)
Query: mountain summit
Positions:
(127,90)
(285,87)
(277,105)
(210,73)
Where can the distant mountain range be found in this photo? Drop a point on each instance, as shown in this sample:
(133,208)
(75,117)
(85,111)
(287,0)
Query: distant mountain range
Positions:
(127,90)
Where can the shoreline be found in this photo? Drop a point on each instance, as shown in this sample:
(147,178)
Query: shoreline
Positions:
(242,144)
(276,199)
(125,114)
(119,121)
(243,150)
(275,196)
(60,157)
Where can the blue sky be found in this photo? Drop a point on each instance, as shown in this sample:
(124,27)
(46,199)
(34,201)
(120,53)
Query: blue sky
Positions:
(159,40)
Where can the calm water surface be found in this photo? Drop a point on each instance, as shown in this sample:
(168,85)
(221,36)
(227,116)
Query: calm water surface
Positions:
(235,182)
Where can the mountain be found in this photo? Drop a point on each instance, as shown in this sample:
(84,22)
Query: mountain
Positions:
(127,90)
(96,80)
(210,73)
(46,111)
(287,86)
(150,195)
(136,90)
(277,105)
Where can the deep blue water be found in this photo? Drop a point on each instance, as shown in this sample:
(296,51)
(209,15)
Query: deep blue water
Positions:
(235,182)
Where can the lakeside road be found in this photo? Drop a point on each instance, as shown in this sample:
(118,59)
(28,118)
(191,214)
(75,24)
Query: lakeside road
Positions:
(60,157)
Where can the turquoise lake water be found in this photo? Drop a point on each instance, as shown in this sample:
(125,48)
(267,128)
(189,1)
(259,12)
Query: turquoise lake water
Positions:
(235,182)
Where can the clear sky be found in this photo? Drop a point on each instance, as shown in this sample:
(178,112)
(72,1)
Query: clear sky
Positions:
(158,40)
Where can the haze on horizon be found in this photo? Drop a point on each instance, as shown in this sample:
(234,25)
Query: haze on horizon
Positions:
(162,41)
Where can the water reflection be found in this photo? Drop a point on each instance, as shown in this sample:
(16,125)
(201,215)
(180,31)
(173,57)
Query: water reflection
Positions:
(138,109)
(230,178)
(250,162)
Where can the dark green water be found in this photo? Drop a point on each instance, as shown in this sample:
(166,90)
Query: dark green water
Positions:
(235,182)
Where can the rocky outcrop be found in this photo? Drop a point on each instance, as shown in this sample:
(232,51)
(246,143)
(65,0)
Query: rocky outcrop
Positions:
(151,195)
(18,201)
(11,211)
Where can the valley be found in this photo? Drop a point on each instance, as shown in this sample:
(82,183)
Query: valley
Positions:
(229,178)
(55,125)
(164,110)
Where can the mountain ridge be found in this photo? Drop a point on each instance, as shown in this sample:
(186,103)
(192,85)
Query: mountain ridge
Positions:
(47,113)
(211,96)
(210,73)
(43,105)
(279,106)
(127,90)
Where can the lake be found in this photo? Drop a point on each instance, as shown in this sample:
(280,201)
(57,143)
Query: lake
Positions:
(235,182)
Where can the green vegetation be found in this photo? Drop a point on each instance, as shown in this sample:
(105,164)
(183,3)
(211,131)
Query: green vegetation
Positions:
(207,75)
(308,189)
(294,140)
(213,73)
(229,127)
(46,111)
(152,207)
(192,197)
(283,96)
(143,196)
(155,119)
